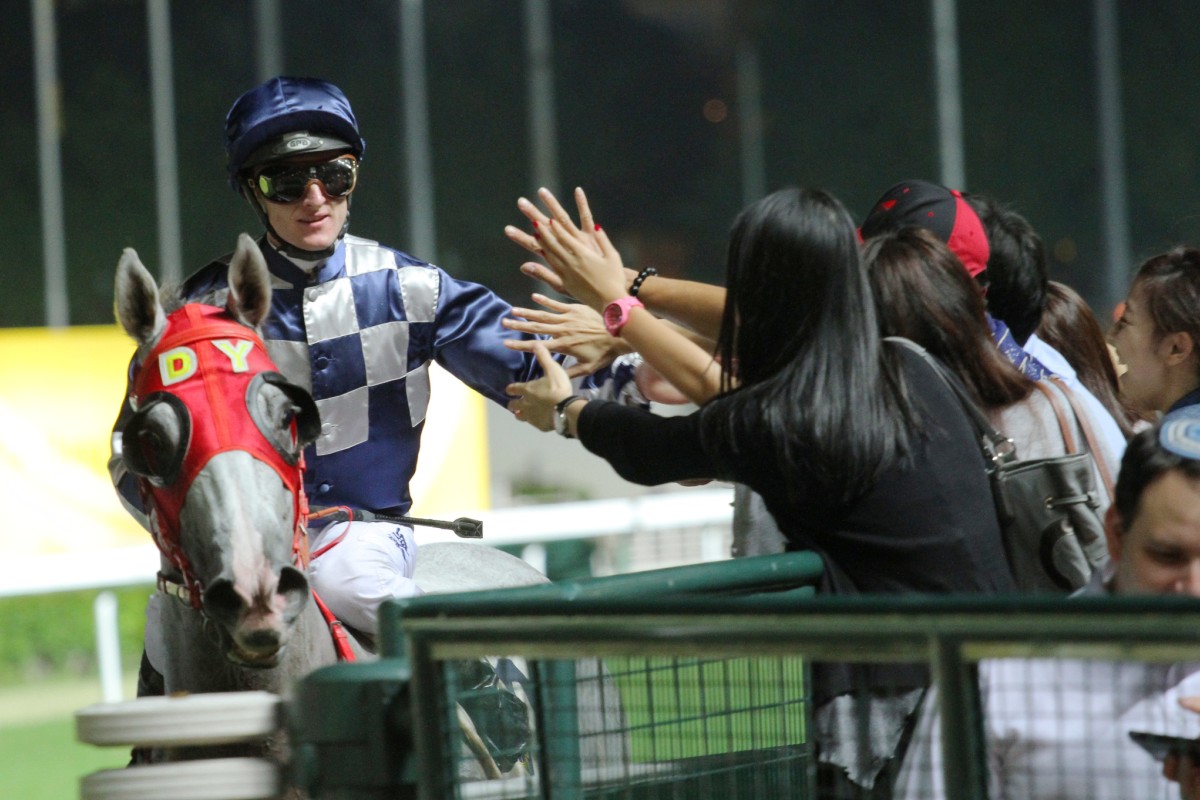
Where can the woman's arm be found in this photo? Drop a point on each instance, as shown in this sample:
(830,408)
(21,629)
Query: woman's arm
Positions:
(695,305)
(642,447)
(686,366)
(588,267)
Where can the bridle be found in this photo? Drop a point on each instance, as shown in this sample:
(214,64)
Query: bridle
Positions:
(204,363)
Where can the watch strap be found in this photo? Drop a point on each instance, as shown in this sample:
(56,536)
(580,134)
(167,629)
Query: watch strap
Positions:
(560,415)
(616,313)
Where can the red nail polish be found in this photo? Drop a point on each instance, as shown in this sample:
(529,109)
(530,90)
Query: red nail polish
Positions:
(535,224)
(597,226)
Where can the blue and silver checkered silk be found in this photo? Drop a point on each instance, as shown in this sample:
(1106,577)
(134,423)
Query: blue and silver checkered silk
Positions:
(359,333)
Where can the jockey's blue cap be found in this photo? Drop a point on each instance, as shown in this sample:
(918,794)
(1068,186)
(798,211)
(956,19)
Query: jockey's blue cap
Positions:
(286,117)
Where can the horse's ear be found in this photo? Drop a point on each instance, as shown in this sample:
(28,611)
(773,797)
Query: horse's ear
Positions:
(135,299)
(249,283)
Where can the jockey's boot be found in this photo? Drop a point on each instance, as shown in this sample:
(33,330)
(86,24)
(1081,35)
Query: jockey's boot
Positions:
(500,716)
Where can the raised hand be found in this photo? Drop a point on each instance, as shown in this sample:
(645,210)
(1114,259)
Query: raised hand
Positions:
(580,262)
(573,328)
(534,400)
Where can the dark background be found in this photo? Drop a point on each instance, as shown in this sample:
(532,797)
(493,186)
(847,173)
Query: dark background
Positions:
(848,98)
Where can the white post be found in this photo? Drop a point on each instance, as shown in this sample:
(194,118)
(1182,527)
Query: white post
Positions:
(543,132)
(417,151)
(108,646)
(54,236)
(166,170)
(269,52)
(949,94)
(750,124)
(1117,253)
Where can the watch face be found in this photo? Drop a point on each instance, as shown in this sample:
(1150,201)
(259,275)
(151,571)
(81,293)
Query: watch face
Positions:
(615,315)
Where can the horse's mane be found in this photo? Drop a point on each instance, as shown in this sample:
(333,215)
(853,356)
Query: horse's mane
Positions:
(172,297)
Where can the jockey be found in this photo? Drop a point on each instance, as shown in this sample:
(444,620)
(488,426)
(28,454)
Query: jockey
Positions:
(357,324)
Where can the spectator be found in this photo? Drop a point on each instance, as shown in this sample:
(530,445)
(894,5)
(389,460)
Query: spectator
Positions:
(1021,274)
(1016,267)
(1184,768)
(858,449)
(1058,728)
(1069,326)
(1158,331)
(925,295)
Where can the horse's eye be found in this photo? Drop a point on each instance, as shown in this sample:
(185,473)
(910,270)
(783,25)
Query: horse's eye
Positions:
(279,410)
(151,445)
(156,439)
(289,426)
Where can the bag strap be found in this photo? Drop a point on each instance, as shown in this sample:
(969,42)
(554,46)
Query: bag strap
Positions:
(997,448)
(1068,436)
(1085,425)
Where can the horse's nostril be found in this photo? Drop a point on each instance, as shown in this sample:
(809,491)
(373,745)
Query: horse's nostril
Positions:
(291,581)
(293,588)
(222,602)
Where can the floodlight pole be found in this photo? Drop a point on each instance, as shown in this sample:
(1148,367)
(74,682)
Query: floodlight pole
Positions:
(418,153)
(543,131)
(54,233)
(1117,253)
(750,123)
(268,27)
(166,168)
(949,93)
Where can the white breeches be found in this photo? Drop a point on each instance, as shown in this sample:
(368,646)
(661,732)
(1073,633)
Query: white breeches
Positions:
(373,562)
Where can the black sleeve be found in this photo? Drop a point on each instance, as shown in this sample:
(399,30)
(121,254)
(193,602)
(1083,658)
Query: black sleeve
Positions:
(643,447)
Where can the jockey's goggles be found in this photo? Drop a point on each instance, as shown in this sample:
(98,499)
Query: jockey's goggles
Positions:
(286,183)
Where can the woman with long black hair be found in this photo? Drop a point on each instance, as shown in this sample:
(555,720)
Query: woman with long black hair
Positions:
(859,451)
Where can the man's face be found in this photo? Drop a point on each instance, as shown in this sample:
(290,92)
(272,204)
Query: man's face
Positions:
(1160,552)
(312,222)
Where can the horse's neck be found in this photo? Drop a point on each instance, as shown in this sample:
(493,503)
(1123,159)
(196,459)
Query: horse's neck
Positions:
(195,662)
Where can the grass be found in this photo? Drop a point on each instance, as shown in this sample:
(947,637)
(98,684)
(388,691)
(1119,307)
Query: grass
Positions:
(687,708)
(39,757)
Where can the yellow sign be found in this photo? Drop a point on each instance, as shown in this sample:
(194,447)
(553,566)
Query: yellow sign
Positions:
(60,391)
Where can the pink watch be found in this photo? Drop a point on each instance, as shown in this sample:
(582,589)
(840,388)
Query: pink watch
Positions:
(616,313)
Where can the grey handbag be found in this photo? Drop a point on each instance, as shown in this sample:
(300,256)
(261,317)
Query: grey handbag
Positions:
(1049,509)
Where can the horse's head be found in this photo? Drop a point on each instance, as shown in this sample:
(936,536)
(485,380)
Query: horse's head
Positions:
(216,444)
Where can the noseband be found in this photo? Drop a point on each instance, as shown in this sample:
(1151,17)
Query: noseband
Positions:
(208,369)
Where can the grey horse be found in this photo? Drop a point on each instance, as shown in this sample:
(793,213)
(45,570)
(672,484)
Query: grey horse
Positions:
(234,609)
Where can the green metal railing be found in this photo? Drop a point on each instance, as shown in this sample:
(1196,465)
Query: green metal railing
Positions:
(751,617)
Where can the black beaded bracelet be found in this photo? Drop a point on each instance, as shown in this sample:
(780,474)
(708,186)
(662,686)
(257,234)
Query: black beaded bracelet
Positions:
(640,279)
